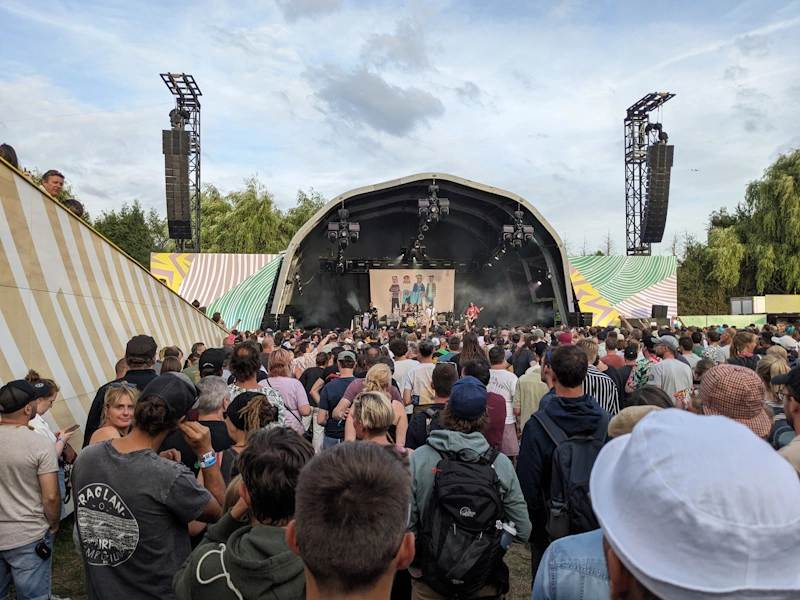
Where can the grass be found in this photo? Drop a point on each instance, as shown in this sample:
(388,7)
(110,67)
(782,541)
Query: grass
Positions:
(69,580)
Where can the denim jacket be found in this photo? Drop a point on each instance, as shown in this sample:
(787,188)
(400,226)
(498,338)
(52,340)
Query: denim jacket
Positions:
(573,568)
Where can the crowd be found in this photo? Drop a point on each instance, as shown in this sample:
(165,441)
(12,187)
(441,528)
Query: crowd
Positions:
(635,463)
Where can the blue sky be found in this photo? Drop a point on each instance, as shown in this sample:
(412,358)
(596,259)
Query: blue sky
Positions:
(334,95)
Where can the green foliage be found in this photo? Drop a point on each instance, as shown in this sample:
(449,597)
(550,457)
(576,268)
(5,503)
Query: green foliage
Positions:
(249,222)
(698,293)
(135,232)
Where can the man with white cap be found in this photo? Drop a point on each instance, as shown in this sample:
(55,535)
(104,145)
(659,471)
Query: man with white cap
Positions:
(725,524)
(672,376)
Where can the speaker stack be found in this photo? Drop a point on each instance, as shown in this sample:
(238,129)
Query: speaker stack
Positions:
(660,158)
(176,146)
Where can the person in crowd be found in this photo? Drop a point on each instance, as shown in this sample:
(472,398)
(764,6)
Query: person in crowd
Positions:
(30,510)
(61,437)
(736,392)
(725,341)
(74,206)
(651,396)
(687,352)
(470,348)
(403,363)
(496,405)
(52,182)
(672,376)
(770,367)
(504,383)
(245,554)
(612,359)
(597,384)
(332,393)
(212,363)
(421,425)
(140,356)
(191,367)
(641,481)
(249,411)
(378,379)
(171,364)
(132,507)
(267,346)
(453,349)
(789,383)
(742,350)
(372,416)
(463,419)
(121,368)
(529,391)
(212,403)
(575,413)
(8,154)
(697,343)
(631,355)
(714,352)
(295,401)
(349,527)
(120,406)
(417,391)
(307,380)
(246,371)
(523,357)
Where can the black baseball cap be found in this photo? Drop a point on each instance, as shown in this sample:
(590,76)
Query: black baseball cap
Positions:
(17,394)
(176,390)
(630,353)
(792,379)
(212,357)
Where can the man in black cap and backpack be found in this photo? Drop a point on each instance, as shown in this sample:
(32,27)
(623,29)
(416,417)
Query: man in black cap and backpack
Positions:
(132,506)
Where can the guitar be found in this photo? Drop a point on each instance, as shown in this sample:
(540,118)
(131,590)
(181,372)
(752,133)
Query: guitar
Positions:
(471,318)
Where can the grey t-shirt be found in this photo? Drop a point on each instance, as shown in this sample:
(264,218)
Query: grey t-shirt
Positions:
(132,510)
(672,376)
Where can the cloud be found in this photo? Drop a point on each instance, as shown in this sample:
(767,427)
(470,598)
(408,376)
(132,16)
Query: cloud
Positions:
(470,94)
(524,79)
(294,10)
(230,38)
(406,49)
(734,72)
(361,97)
(751,109)
(754,45)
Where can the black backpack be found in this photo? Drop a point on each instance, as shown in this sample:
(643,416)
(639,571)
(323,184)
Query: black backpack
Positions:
(459,547)
(569,507)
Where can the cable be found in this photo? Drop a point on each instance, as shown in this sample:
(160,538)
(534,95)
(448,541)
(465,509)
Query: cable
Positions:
(97,112)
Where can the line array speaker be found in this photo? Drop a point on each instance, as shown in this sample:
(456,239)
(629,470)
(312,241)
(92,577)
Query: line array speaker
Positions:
(660,157)
(176,146)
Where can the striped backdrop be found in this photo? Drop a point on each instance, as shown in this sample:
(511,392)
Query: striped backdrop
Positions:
(205,277)
(70,300)
(248,300)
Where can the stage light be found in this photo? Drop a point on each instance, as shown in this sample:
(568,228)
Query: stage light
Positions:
(538,283)
(424,227)
(333,232)
(344,214)
(355,230)
(508,233)
(178,118)
(423,206)
(527,230)
(444,206)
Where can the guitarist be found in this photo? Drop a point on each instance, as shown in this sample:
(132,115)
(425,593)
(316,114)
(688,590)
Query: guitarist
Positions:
(472,314)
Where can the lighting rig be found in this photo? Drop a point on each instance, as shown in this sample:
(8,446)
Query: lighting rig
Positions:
(343,233)
(517,234)
(432,209)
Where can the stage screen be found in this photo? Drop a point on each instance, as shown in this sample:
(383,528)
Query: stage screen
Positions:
(392,289)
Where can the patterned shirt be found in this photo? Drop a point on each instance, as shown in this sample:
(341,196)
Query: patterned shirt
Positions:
(640,373)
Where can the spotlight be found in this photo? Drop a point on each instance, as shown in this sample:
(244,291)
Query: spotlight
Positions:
(178,118)
(355,230)
(424,227)
(444,207)
(538,283)
(527,231)
(508,233)
(333,232)
(423,206)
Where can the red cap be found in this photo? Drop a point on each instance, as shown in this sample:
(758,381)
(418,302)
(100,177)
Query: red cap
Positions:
(564,338)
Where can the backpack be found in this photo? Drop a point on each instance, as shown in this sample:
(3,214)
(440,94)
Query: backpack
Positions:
(431,420)
(569,507)
(459,547)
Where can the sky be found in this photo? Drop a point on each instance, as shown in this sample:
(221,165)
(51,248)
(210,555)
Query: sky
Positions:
(338,94)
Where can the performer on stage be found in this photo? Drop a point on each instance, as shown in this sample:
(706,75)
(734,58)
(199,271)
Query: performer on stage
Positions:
(472,314)
(373,316)
(430,317)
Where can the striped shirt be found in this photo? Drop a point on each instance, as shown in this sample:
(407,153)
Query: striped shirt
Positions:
(603,389)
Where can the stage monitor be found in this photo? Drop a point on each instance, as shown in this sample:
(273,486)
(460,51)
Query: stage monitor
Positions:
(394,291)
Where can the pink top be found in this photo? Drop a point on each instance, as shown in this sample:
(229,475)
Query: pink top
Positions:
(294,396)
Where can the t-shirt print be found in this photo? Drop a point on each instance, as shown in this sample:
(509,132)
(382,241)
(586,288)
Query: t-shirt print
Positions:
(109,531)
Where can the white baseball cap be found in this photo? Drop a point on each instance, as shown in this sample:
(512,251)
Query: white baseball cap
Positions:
(699,507)
(785,341)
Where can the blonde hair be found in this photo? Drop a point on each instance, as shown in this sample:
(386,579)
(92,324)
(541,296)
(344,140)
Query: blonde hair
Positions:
(589,347)
(258,413)
(374,411)
(378,378)
(279,362)
(778,351)
(740,342)
(771,366)
(114,396)
(232,494)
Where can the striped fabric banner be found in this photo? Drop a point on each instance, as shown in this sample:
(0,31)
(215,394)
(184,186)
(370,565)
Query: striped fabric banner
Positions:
(70,300)
(248,300)
(205,277)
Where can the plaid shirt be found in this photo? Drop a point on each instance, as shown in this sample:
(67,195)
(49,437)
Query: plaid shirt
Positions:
(640,373)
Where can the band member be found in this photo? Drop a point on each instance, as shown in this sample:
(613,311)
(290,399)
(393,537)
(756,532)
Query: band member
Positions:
(430,317)
(418,291)
(408,311)
(394,290)
(430,293)
(373,316)
(472,314)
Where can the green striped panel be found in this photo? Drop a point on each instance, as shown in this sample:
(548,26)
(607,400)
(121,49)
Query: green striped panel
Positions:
(617,278)
(247,300)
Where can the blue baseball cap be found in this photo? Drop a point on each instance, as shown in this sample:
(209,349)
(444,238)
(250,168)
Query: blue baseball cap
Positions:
(468,399)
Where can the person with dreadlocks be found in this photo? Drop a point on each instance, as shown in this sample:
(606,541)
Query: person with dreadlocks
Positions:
(247,412)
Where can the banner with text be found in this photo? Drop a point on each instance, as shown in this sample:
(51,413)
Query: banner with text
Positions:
(394,290)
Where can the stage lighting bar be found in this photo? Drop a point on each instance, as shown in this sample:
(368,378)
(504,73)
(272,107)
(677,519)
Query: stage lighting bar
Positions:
(343,231)
(517,234)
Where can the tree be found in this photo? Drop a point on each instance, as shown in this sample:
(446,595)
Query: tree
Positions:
(584,247)
(567,241)
(133,231)
(249,222)
(609,247)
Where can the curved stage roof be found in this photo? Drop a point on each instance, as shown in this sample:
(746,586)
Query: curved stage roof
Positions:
(469,239)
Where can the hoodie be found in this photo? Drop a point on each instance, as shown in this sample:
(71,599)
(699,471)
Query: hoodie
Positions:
(576,416)
(469,448)
(237,561)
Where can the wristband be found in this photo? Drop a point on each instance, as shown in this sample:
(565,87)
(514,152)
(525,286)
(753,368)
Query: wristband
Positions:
(208,459)
(60,439)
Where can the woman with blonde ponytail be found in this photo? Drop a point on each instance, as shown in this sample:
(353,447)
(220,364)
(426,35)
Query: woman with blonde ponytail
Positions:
(378,379)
